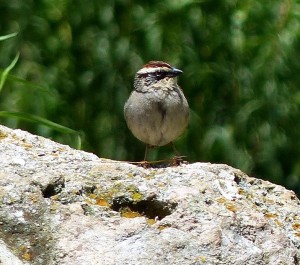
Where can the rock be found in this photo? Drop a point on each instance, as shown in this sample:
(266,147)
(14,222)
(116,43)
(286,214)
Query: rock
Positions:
(63,206)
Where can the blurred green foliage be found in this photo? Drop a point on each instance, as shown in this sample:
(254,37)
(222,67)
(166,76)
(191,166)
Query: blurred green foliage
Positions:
(241,63)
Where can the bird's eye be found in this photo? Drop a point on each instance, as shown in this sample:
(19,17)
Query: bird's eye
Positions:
(160,74)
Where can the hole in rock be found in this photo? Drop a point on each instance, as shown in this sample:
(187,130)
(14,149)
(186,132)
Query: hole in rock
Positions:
(237,179)
(150,208)
(53,188)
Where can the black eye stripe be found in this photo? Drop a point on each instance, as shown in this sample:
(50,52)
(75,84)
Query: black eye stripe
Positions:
(160,73)
(157,74)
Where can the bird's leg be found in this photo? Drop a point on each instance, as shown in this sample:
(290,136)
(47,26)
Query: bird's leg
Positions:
(146,152)
(145,163)
(175,150)
(178,159)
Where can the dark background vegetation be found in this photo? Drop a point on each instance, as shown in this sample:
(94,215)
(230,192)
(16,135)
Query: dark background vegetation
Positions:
(241,76)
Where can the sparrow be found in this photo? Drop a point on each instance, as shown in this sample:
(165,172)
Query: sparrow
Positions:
(157,112)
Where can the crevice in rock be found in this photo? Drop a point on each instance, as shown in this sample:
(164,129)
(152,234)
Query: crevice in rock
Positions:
(53,188)
(150,208)
(88,189)
(237,179)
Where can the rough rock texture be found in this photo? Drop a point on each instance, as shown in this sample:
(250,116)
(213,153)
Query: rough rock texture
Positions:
(64,206)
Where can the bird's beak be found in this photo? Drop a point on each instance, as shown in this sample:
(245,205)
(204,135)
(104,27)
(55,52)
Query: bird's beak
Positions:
(176,71)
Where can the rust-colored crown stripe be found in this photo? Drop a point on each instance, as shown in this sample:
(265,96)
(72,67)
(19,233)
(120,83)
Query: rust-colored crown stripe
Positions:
(157,64)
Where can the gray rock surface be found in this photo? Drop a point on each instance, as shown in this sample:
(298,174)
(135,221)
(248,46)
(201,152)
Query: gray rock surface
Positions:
(63,206)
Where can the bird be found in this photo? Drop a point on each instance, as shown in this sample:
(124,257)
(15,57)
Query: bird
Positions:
(157,112)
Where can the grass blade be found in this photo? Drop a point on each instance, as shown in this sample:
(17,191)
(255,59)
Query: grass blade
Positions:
(43,121)
(8,36)
(29,84)
(7,70)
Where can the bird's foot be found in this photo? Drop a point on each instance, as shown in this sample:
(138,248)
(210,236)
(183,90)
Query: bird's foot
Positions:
(144,164)
(175,161)
(178,160)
